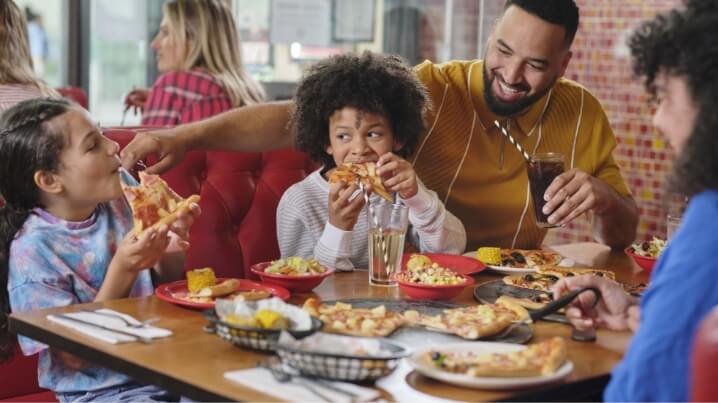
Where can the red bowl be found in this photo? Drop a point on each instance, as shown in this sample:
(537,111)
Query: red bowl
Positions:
(292,283)
(431,291)
(645,262)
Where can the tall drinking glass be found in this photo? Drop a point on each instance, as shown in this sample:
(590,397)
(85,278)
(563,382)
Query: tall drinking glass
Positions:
(387,230)
(542,170)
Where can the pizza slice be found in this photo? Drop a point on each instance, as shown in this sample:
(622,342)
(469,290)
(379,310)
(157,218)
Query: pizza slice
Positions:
(538,359)
(562,272)
(153,203)
(471,322)
(365,172)
(532,281)
(344,319)
(528,258)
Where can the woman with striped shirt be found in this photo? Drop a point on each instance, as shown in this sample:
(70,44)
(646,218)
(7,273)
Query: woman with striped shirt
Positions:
(198,53)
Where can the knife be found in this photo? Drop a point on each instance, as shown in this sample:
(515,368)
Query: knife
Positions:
(142,339)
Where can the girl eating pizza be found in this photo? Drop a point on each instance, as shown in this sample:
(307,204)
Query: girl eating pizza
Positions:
(65,237)
(359,111)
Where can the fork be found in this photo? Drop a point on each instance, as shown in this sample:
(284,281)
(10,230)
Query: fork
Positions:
(284,377)
(141,324)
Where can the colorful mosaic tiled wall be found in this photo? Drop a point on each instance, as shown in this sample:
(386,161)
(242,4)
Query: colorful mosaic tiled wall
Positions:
(601,63)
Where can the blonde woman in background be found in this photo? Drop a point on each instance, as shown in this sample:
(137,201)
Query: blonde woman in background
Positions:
(18,81)
(198,54)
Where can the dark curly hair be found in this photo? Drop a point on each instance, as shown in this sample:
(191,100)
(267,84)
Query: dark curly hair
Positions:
(557,12)
(370,82)
(683,42)
(27,144)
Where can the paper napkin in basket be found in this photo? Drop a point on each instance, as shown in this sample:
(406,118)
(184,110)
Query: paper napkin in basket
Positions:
(261,379)
(104,318)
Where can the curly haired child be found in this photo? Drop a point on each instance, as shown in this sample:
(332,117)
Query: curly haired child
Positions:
(359,108)
(65,237)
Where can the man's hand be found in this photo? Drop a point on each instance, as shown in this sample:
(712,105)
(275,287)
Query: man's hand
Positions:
(344,211)
(399,174)
(169,148)
(573,193)
(611,312)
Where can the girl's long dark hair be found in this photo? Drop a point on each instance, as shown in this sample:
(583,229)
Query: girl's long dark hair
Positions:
(27,145)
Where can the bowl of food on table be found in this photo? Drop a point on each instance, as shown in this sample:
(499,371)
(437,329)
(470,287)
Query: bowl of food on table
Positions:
(422,278)
(645,254)
(293,273)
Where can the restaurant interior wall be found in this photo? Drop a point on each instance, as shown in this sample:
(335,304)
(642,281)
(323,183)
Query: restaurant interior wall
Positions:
(601,62)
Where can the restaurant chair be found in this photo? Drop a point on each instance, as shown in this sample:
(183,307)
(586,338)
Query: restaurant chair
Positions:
(704,360)
(76,94)
(18,377)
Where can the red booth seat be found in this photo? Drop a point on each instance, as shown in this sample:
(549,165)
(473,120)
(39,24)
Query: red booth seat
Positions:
(76,94)
(239,196)
(704,360)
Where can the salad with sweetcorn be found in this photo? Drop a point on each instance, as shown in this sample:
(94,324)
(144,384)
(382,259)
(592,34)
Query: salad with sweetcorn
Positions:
(295,266)
(652,248)
(421,270)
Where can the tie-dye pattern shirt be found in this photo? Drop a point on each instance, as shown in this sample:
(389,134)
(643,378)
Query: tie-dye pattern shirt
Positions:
(57,263)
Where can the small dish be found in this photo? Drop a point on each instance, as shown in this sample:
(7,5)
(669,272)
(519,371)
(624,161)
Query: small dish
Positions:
(645,262)
(292,283)
(432,291)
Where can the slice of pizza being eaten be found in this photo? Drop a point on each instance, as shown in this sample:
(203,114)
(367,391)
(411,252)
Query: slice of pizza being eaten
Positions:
(365,172)
(153,203)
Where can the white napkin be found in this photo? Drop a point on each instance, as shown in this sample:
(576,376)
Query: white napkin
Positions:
(262,380)
(108,321)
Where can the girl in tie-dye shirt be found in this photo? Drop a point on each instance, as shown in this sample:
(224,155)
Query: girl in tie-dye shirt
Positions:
(65,237)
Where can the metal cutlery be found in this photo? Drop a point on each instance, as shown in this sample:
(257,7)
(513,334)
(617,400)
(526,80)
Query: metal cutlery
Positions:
(284,377)
(139,325)
(141,339)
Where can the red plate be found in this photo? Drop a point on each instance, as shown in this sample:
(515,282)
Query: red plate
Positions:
(645,262)
(172,292)
(457,263)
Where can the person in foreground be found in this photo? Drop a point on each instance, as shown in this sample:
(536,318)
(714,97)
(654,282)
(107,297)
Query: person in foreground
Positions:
(461,155)
(198,54)
(359,109)
(677,54)
(65,237)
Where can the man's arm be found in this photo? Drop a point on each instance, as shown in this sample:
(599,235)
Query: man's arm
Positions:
(617,226)
(252,128)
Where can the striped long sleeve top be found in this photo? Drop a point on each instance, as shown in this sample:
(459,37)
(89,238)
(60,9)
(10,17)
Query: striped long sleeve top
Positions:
(303,227)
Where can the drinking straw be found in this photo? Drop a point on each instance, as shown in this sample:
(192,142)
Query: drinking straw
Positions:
(513,141)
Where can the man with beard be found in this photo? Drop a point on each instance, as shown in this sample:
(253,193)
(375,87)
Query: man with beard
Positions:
(462,155)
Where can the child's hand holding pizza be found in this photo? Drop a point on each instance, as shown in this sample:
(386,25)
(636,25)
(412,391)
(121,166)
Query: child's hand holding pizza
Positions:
(343,210)
(179,229)
(136,253)
(398,174)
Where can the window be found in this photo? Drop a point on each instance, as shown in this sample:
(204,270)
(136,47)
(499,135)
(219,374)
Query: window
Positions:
(46,33)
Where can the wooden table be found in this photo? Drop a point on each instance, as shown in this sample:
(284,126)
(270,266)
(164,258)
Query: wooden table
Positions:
(192,362)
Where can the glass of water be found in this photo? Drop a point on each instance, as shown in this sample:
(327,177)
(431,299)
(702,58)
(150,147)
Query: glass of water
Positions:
(388,223)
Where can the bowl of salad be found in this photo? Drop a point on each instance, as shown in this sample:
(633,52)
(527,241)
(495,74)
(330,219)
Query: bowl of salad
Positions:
(293,273)
(645,254)
(423,278)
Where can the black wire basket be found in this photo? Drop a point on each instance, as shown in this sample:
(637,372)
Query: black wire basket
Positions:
(344,367)
(251,337)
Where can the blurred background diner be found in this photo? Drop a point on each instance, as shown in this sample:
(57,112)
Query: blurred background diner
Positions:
(104,48)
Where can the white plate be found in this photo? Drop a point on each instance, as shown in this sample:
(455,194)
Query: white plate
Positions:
(517,270)
(493,383)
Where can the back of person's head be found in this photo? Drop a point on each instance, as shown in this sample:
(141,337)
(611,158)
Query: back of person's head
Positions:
(213,43)
(683,43)
(15,58)
(370,82)
(557,12)
(28,143)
